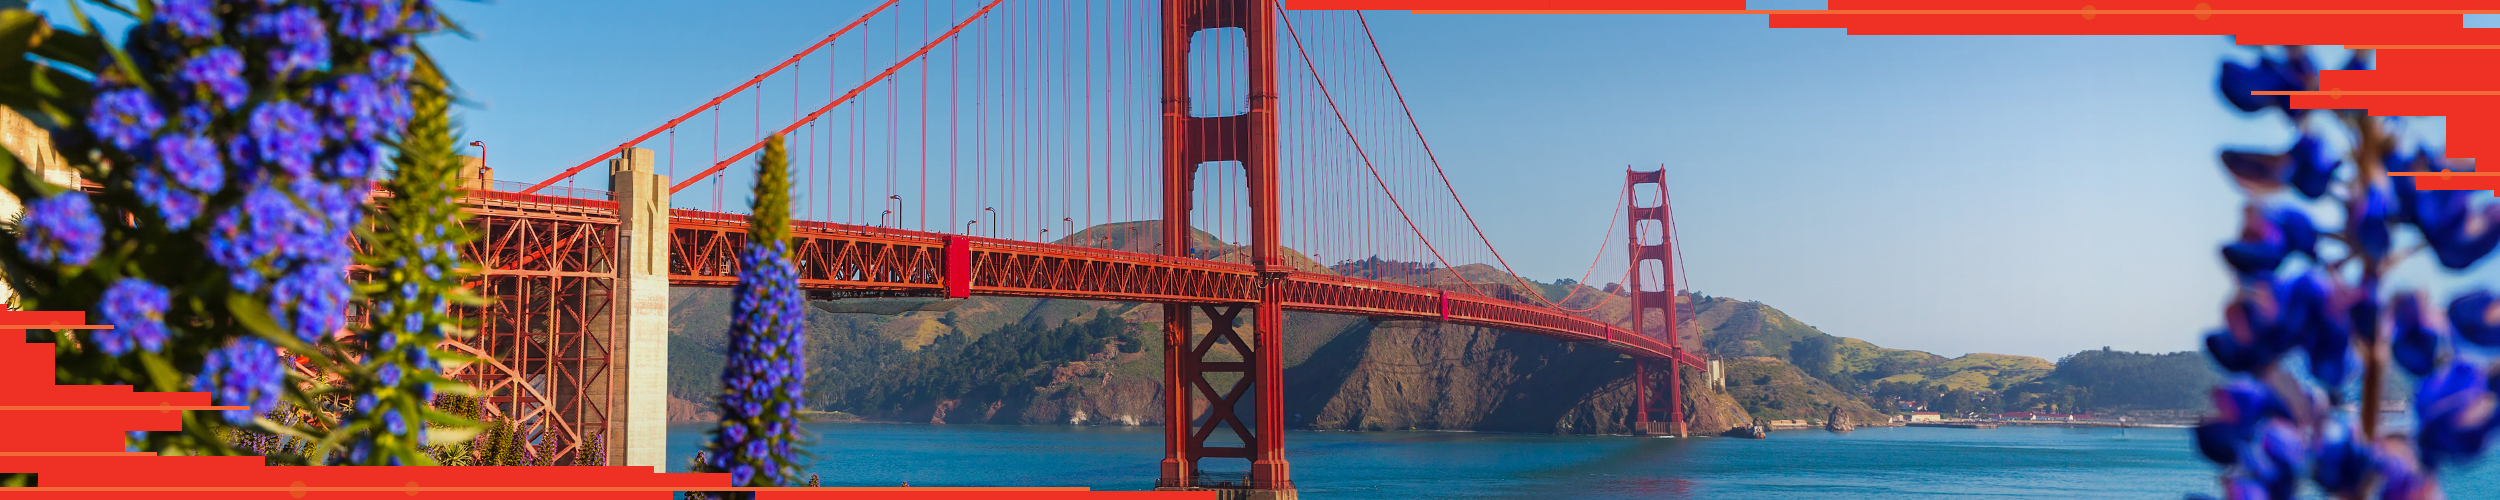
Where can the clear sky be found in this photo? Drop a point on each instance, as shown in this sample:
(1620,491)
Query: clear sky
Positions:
(2020,195)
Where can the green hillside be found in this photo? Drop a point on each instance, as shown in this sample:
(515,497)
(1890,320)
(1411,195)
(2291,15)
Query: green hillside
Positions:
(1979,372)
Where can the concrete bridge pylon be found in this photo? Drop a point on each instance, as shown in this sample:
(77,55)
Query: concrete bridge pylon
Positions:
(641,319)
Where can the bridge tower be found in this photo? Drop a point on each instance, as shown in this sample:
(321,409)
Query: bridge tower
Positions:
(1652,253)
(1252,408)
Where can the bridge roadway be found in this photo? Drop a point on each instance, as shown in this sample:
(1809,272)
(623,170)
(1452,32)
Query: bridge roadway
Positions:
(871,261)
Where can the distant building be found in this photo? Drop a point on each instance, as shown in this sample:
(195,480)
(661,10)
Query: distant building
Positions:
(1926,416)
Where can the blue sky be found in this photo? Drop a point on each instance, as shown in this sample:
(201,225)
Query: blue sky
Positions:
(2020,195)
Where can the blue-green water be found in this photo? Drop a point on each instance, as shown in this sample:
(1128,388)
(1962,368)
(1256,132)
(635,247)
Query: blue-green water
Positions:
(1870,463)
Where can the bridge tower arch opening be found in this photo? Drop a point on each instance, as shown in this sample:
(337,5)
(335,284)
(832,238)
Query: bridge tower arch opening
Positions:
(1251,407)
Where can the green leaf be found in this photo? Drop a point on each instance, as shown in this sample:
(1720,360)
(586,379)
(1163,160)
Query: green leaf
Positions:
(161,374)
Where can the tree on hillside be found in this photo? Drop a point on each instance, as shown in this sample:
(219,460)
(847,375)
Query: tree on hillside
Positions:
(1817,355)
(2134,380)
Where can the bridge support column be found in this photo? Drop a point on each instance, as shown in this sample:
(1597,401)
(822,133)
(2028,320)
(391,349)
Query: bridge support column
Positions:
(1653,288)
(638,413)
(1253,407)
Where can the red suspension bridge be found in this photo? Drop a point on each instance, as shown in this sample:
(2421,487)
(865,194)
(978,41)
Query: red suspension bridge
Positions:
(1041,148)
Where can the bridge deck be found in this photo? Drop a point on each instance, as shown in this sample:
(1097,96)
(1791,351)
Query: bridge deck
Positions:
(844,259)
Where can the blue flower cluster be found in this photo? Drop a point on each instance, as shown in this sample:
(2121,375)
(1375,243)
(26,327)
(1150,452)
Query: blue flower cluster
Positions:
(246,372)
(252,127)
(136,309)
(2277,423)
(61,230)
(766,373)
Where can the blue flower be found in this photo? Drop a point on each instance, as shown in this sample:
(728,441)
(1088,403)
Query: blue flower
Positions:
(2267,238)
(367,20)
(219,71)
(192,160)
(2455,407)
(392,424)
(390,66)
(2237,82)
(2331,358)
(176,206)
(2342,461)
(124,118)
(2276,459)
(2418,344)
(2472,316)
(389,374)
(244,373)
(284,133)
(136,309)
(304,41)
(2312,169)
(61,229)
(195,18)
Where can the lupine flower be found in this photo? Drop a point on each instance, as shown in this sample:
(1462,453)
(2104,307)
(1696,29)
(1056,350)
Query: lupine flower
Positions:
(124,118)
(2471,315)
(2419,343)
(245,372)
(219,71)
(2240,405)
(61,230)
(2268,74)
(2342,461)
(2331,358)
(2274,460)
(136,309)
(2312,169)
(2257,172)
(2269,237)
(2455,405)
(2400,477)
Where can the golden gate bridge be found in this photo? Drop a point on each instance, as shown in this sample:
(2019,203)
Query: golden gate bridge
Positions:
(960,148)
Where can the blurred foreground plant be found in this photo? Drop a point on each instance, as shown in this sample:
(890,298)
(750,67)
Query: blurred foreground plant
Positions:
(231,147)
(2281,420)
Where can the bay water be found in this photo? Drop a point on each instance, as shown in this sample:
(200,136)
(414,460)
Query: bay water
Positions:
(2008,462)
